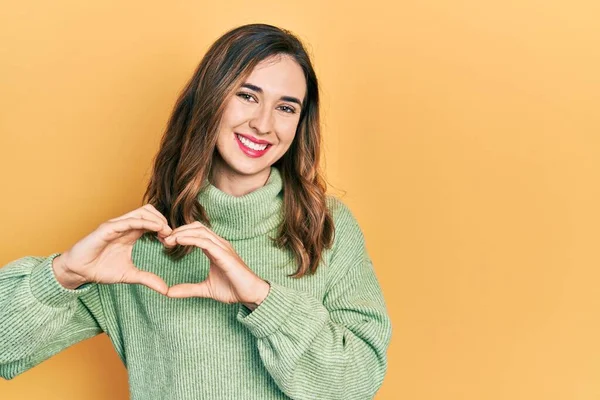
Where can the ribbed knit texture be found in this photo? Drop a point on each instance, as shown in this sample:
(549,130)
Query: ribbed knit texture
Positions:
(323,336)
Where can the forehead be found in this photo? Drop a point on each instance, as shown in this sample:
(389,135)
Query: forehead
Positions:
(279,76)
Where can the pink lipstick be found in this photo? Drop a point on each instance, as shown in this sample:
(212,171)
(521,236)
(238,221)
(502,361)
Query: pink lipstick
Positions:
(250,152)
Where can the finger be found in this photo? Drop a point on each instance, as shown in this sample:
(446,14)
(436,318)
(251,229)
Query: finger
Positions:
(144,213)
(134,213)
(128,224)
(183,290)
(154,211)
(171,243)
(219,238)
(212,250)
(185,227)
(195,232)
(147,213)
(149,280)
(202,231)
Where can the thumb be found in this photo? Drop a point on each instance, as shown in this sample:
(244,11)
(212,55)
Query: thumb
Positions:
(189,290)
(150,280)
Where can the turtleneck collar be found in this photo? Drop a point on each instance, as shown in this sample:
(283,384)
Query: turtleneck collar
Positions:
(247,216)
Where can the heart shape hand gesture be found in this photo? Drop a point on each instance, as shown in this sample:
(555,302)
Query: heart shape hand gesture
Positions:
(104,256)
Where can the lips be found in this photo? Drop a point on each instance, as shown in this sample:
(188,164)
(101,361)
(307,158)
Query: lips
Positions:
(253,139)
(251,152)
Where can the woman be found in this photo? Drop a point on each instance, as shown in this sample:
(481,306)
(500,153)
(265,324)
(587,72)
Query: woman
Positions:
(240,278)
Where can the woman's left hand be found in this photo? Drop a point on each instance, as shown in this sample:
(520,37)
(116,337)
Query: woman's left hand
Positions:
(229,278)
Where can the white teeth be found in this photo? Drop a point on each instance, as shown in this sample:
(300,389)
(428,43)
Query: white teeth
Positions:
(251,144)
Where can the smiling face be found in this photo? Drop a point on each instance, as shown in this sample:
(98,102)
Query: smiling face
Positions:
(260,119)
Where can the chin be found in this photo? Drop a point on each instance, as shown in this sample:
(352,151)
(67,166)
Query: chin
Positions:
(250,168)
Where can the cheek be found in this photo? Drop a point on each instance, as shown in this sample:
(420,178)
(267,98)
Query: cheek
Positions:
(287,130)
(234,115)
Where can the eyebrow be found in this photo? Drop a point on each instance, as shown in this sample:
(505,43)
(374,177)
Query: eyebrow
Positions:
(284,98)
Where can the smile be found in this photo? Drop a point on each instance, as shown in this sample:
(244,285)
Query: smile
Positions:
(250,148)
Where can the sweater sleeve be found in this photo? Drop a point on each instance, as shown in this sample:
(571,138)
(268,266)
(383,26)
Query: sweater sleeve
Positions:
(39,317)
(330,349)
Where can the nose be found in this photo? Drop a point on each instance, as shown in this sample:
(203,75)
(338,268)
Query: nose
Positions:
(262,120)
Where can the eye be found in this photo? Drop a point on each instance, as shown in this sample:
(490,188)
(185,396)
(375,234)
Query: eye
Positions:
(245,96)
(290,109)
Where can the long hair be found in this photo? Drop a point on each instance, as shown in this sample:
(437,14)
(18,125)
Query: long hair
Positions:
(187,147)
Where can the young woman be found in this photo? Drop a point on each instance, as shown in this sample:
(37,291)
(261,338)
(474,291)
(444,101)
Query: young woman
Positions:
(239,278)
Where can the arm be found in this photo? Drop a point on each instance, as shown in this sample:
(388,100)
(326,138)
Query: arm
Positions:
(39,317)
(335,349)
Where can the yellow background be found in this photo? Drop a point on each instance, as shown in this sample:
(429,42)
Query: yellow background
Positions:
(464,133)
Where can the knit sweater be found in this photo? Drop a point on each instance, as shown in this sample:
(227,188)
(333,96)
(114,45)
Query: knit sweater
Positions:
(323,336)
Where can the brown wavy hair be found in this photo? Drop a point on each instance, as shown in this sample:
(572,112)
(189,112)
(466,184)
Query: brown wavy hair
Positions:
(185,156)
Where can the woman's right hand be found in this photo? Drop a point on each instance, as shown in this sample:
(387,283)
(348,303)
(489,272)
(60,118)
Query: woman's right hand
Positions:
(104,256)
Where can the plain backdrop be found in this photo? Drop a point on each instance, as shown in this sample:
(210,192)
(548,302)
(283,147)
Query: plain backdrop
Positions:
(462,134)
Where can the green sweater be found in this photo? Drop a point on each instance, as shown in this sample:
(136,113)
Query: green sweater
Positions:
(323,336)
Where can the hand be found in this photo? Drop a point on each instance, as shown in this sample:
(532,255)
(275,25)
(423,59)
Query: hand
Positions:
(229,278)
(104,256)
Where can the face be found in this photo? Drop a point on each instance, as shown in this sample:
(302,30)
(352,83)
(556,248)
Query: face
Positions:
(260,119)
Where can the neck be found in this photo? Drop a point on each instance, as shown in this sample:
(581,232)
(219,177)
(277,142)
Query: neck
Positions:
(235,184)
(241,217)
